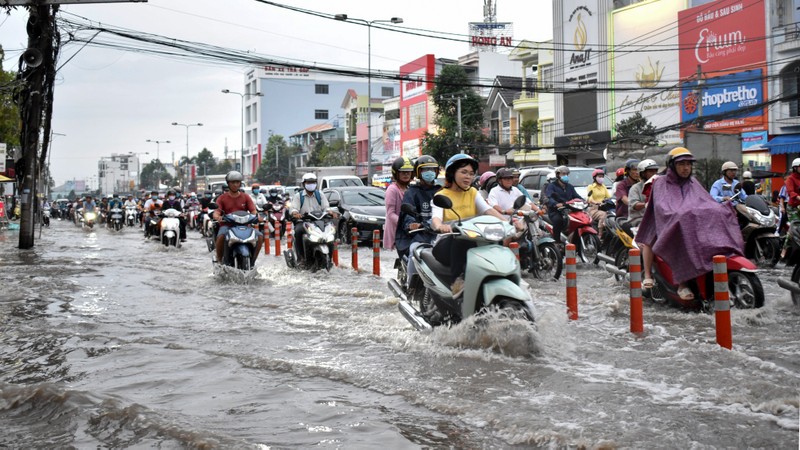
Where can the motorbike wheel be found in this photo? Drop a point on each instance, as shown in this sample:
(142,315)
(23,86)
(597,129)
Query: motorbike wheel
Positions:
(769,252)
(165,240)
(746,290)
(621,262)
(589,246)
(511,308)
(242,262)
(344,233)
(796,279)
(550,262)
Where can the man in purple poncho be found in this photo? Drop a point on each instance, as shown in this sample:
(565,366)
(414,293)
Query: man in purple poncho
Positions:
(685,226)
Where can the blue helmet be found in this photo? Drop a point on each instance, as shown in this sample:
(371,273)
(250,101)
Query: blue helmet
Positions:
(457,161)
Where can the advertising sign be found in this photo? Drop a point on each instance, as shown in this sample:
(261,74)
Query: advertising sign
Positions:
(2,158)
(646,65)
(754,140)
(731,100)
(415,84)
(488,36)
(581,32)
(723,35)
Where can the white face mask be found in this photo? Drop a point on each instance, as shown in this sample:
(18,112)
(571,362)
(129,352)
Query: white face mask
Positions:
(599,180)
(311,187)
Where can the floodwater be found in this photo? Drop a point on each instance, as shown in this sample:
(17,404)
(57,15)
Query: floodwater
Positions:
(109,340)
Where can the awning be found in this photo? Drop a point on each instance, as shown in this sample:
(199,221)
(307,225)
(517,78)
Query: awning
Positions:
(785,143)
(4,179)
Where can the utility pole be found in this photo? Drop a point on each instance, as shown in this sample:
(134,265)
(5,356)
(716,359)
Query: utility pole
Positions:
(458,99)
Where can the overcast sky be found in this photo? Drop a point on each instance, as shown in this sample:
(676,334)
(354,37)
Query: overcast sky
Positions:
(111,101)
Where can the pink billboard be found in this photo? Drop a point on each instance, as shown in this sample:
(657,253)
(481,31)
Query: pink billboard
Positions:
(722,36)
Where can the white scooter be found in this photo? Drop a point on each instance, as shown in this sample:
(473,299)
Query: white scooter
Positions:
(130,215)
(170,228)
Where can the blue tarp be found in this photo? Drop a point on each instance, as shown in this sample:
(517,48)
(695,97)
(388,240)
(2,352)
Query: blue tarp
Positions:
(785,143)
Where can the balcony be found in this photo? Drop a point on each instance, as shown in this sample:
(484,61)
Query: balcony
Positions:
(786,38)
(526,101)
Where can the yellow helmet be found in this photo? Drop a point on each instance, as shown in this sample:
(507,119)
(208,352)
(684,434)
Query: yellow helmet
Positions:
(679,154)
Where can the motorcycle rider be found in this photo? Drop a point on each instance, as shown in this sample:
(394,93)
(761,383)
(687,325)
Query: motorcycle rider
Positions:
(88,204)
(792,211)
(486,183)
(723,189)
(638,201)
(558,193)
(515,173)
(621,193)
(597,193)
(685,226)
(502,196)
(232,201)
(420,196)
(402,174)
(459,172)
(173,202)
(306,200)
(258,197)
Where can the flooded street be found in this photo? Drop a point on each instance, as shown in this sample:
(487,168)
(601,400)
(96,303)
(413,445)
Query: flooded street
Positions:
(110,340)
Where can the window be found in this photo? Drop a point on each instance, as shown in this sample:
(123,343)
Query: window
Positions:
(790,85)
(320,88)
(531,181)
(546,74)
(405,119)
(321,114)
(255,114)
(387,92)
(416,116)
(247,115)
(548,132)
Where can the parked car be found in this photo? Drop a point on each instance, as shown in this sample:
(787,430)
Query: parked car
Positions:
(363,207)
(334,181)
(535,179)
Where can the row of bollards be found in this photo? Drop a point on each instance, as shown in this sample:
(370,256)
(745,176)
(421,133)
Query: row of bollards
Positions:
(722,313)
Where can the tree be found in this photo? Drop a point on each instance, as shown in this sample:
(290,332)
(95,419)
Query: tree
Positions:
(224,167)
(267,172)
(206,157)
(638,129)
(71,196)
(452,83)
(152,172)
(9,113)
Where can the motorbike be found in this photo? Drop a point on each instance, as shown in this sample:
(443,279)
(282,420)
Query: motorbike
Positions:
(151,228)
(793,284)
(130,216)
(617,242)
(539,254)
(275,214)
(745,288)
(318,241)
(46,217)
(580,231)
(115,219)
(758,223)
(88,219)
(169,228)
(241,241)
(194,213)
(415,288)
(492,280)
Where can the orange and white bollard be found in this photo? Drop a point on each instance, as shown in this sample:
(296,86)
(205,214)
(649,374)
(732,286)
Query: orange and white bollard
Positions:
(514,246)
(722,303)
(289,236)
(266,238)
(376,252)
(635,271)
(277,239)
(335,253)
(572,283)
(354,243)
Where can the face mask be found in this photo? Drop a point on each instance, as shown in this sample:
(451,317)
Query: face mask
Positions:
(599,180)
(428,176)
(171,197)
(311,187)
(565,178)
(256,191)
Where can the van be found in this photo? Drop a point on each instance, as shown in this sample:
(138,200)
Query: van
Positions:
(535,180)
(332,181)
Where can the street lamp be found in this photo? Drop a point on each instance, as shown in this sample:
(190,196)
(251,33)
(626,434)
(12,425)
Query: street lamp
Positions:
(368,23)
(158,147)
(185,174)
(243,96)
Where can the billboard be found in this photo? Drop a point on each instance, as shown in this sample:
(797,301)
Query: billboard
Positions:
(486,37)
(733,98)
(581,32)
(645,65)
(722,36)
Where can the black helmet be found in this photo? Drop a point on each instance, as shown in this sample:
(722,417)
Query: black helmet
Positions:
(171,192)
(218,192)
(273,192)
(233,176)
(425,161)
(401,164)
(631,164)
(456,162)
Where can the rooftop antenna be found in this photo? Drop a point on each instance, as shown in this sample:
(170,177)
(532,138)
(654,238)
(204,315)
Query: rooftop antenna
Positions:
(489,11)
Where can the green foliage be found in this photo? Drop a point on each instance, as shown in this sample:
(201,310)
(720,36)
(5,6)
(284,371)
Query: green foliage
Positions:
(638,129)
(205,156)
(224,166)
(267,172)
(527,130)
(151,173)
(452,82)
(71,196)
(10,123)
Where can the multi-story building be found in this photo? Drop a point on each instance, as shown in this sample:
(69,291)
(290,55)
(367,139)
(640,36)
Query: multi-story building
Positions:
(118,173)
(293,99)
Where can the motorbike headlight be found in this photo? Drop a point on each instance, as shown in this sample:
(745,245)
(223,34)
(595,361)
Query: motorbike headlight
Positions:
(90,216)
(494,232)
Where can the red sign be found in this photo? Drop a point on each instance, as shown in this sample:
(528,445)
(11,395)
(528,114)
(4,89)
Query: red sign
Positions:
(721,36)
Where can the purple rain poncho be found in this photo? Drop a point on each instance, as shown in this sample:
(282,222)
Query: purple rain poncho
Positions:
(686,227)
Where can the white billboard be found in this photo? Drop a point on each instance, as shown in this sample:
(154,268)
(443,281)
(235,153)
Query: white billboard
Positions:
(485,36)
(645,64)
(580,40)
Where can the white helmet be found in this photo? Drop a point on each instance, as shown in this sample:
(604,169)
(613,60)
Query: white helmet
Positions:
(647,164)
(730,165)
(747,174)
(308,176)
(795,163)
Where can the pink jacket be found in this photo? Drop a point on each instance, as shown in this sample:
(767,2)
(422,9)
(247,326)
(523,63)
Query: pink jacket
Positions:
(394,198)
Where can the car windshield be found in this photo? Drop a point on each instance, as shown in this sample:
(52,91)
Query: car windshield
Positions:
(363,198)
(342,182)
(580,177)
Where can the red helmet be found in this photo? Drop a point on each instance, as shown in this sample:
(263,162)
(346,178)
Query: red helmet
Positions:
(597,172)
(620,172)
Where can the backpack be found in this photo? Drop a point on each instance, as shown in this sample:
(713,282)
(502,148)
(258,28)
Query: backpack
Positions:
(303,198)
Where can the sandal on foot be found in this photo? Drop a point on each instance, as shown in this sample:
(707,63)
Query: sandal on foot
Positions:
(648,283)
(685,294)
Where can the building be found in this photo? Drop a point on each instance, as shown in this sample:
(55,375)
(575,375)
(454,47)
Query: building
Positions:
(118,173)
(292,99)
